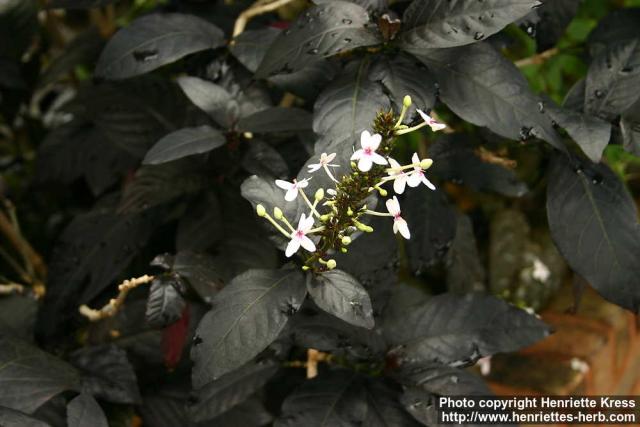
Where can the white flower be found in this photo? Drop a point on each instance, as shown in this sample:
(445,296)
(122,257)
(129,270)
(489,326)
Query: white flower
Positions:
(433,124)
(325,163)
(417,176)
(400,176)
(292,187)
(399,224)
(367,155)
(299,237)
(325,160)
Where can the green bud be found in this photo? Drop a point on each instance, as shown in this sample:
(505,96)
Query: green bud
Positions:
(426,163)
(346,240)
(325,217)
(319,194)
(382,192)
(277,213)
(353,165)
(331,264)
(406,101)
(305,268)
(344,250)
(368,229)
(261,211)
(349,211)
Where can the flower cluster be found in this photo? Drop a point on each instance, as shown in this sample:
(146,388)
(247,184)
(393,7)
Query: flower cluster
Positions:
(321,234)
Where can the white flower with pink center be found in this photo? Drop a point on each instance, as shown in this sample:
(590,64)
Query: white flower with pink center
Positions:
(399,224)
(433,123)
(417,176)
(367,156)
(292,187)
(299,237)
(399,176)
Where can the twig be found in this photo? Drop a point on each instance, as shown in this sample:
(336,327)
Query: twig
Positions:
(258,8)
(287,100)
(11,288)
(493,158)
(23,247)
(538,58)
(313,358)
(111,308)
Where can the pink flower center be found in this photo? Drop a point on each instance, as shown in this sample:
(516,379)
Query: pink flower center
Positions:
(299,234)
(397,217)
(368,151)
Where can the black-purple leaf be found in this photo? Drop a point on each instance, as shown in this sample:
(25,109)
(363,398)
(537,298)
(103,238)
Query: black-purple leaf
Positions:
(29,377)
(483,87)
(339,294)
(84,411)
(442,23)
(153,41)
(231,389)
(475,325)
(165,304)
(184,142)
(321,31)
(594,224)
(247,316)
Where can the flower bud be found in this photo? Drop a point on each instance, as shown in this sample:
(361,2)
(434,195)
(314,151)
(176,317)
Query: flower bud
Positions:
(331,264)
(406,101)
(344,250)
(305,268)
(382,192)
(346,240)
(260,210)
(426,163)
(277,213)
(368,229)
(353,165)
(319,194)
(349,211)
(247,135)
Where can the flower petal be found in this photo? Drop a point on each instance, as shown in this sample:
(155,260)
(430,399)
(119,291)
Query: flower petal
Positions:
(394,164)
(413,180)
(307,243)
(303,183)
(357,154)
(313,167)
(305,223)
(415,158)
(402,226)
(329,157)
(291,194)
(374,141)
(393,206)
(377,158)
(292,247)
(365,136)
(435,126)
(399,184)
(285,185)
(365,163)
(428,183)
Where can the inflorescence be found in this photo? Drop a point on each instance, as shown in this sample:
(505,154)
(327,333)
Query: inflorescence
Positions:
(322,234)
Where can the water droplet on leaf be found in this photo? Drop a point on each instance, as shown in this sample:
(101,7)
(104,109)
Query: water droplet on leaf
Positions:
(478,36)
(145,55)
(347,21)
